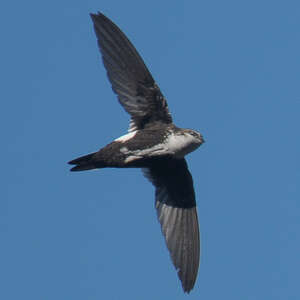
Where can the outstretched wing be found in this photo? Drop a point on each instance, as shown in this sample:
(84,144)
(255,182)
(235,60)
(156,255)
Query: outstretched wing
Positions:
(177,214)
(129,77)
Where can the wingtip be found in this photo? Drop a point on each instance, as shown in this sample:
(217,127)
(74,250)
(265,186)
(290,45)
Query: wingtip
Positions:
(187,286)
(95,16)
(98,15)
(187,291)
(180,229)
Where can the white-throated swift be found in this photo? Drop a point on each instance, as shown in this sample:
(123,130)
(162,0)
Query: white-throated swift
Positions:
(152,143)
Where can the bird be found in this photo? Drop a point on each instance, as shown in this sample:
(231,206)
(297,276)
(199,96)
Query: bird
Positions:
(154,144)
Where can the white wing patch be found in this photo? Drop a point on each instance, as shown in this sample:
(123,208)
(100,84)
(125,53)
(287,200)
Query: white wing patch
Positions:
(126,137)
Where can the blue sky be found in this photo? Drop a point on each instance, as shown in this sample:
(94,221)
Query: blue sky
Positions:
(229,69)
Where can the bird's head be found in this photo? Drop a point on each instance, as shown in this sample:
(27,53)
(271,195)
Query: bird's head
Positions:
(195,135)
(185,141)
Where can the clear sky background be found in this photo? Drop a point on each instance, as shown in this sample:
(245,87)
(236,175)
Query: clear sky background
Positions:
(230,69)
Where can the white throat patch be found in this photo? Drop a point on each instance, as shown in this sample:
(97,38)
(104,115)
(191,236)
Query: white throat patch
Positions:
(180,145)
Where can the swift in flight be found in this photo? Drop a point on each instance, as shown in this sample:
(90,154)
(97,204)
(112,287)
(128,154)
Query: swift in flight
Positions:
(154,144)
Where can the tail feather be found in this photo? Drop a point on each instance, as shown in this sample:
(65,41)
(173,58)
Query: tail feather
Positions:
(86,162)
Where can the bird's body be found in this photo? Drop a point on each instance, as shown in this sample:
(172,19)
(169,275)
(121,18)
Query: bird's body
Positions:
(152,143)
(137,149)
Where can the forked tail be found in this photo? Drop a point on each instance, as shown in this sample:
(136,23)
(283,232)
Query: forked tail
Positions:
(86,162)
